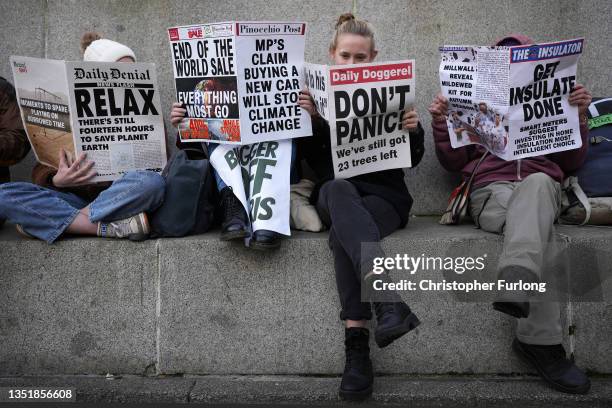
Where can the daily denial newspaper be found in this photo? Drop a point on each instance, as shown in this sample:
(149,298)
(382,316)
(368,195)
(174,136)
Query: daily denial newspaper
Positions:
(512,100)
(363,104)
(111,111)
(240,81)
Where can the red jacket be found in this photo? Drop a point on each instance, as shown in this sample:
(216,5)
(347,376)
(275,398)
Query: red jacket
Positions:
(495,169)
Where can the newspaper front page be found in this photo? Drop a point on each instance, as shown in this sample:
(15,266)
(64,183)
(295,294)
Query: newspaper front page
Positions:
(111,111)
(512,100)
(363,104)
(240,81)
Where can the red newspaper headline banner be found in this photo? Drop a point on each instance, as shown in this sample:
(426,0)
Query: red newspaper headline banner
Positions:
(360,75)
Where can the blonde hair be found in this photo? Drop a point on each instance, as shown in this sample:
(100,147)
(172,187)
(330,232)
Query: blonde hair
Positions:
(348,24)
(88,38)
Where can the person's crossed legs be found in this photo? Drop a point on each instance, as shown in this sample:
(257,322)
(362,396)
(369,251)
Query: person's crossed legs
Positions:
(525,212)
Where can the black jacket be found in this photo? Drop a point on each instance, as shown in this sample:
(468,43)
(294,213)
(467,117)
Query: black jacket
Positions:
(387,184)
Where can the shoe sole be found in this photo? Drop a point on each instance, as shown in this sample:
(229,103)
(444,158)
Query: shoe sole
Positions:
(355,395)
(142,236)
(525,357)
(258,246)
(503,307)
(232,235)
(385,337)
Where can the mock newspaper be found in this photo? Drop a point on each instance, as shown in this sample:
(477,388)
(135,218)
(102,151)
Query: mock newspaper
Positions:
(316,78)
(259,175)
(42,95)
(111,111)
(363,104)
(512,100)
(240,81)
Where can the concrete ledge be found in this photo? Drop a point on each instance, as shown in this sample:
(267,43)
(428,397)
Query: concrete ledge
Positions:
(200,306)
(491,391)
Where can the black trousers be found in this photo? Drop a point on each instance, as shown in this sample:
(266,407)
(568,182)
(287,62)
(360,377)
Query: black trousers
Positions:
(352,220)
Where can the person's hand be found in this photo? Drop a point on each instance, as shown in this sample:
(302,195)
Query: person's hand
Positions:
(177,113)
(581,98)
(73,173)
(306,102)
(439,108)
(410,120)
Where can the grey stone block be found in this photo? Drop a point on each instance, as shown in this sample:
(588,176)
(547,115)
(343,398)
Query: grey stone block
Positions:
(592,327)
(78,306)
(225,309)
(222,314)
(196,305)
(23,31)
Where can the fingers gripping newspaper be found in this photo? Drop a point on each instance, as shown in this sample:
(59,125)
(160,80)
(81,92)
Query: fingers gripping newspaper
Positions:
(512,100)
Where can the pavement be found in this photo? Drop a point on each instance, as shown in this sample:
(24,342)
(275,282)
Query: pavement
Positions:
(413,391)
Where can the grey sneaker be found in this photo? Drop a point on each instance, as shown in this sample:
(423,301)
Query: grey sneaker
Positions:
(135,228)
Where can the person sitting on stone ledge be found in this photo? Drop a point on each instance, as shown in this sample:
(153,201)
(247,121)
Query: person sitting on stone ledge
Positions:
(521,200)
(360,209)
(236,223)
(14,145)
(64,201)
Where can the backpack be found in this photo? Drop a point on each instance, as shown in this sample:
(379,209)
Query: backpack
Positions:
(588,192)
(458,201)
(190,196)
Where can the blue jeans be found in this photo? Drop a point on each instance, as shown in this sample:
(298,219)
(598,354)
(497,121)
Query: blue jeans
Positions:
(46,213)
(221,184)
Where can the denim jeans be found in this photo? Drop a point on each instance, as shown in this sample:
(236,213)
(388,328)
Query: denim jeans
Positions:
(46,213)
(221,184)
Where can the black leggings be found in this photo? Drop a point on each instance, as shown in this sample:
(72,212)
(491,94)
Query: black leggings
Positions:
(354,219)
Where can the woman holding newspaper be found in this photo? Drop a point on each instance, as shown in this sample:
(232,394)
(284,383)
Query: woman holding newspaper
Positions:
(63,200)
(360,209)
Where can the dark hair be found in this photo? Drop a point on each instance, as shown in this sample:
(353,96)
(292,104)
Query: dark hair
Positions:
(348,24)
(509,42)
(88,38)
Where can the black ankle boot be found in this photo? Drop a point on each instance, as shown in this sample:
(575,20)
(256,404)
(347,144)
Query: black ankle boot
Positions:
(394,320)
(356,384)
(264,240)
(235,219)
(554,367)
(515,309)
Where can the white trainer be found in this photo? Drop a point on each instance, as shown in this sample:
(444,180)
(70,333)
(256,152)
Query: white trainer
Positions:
(135,228)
